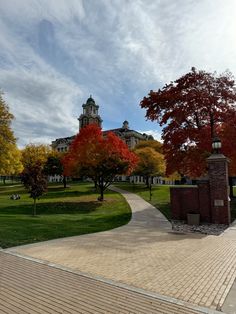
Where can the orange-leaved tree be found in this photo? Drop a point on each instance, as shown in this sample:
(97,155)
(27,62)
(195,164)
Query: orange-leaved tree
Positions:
(192,110)
(100,158)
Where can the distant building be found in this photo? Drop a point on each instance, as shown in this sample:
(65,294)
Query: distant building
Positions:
(90,115)
(130,137)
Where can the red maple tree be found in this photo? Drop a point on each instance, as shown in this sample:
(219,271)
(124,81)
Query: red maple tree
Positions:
(100,158)
(192,110)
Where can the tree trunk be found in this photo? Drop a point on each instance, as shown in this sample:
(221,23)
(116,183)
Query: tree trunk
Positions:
(34,212)
(101,186)
(150,191)
(147,181)
(4,180)
(95,185)
(64,181)
(102,194)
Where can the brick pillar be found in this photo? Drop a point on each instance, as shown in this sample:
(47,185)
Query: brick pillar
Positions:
(219,189)
(204,200)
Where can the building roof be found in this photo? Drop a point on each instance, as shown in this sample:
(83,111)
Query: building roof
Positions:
(127,133)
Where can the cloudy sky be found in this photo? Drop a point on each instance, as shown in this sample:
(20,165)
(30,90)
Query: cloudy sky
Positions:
(55,53)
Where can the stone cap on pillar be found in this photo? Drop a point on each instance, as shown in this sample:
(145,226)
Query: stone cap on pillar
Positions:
(219,157)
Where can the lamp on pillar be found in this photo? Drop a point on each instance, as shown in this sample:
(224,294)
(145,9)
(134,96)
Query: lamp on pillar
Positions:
(216,145)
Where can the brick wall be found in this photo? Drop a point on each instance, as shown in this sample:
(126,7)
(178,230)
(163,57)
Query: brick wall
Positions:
(194,199)
(204,201)
(183,200)
(209,198)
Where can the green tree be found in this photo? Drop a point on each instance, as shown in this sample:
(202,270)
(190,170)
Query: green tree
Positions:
(54,166)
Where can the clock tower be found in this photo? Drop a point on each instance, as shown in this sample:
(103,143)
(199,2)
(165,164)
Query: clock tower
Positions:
(90,114)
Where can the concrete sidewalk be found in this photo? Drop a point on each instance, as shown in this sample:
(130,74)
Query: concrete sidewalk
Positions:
(146,254)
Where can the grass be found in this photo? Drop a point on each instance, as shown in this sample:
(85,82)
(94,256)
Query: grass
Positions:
(161,197)
(233,206)
(60,213)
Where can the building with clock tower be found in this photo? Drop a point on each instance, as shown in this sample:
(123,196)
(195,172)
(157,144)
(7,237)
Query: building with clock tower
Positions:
(90,115)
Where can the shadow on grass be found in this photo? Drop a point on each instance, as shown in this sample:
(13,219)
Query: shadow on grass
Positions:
(66,193)
(233,209)
(57,192)
(53,208)
(12,191)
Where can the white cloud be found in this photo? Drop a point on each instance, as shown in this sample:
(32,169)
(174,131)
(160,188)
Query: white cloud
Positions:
(42,106)
(31,11)
(54,53)
(156,134)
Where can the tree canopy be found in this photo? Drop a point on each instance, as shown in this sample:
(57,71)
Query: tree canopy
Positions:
(34,154)
(151,160)
(151,163)
(53,165)
(192,110)
(34,158)
(100,158)
(10,163)
(156,145)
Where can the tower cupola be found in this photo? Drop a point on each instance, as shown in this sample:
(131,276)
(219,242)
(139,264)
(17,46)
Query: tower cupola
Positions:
(90,114)
(125,125)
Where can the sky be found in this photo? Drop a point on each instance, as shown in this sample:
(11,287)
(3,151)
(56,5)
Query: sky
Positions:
(55,53)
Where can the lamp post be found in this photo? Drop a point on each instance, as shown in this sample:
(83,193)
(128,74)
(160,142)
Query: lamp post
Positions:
(216,145)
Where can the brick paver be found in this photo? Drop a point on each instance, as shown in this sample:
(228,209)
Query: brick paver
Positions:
(30,287)
(147,254)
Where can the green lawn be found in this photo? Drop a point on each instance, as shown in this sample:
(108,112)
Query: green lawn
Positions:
(161,197)
(233,206)
(60,213)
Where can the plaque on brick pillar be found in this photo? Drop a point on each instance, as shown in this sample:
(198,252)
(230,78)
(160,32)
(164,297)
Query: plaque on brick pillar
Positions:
(219,189)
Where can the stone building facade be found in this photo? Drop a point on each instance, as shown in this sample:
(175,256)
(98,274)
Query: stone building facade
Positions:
(91,115)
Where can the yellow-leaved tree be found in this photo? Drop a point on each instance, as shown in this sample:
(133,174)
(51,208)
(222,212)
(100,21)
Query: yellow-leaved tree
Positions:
(34,154)
(34,158)
(10,156)
(151,163)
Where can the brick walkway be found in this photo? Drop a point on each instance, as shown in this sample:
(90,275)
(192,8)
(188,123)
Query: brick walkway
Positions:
(31,287)
(146,254)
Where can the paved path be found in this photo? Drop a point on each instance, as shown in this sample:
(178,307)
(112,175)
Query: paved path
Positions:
(229,305)
(147,254)
(31,287)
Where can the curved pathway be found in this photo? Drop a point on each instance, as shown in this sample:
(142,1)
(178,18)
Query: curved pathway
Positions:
(146,254)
